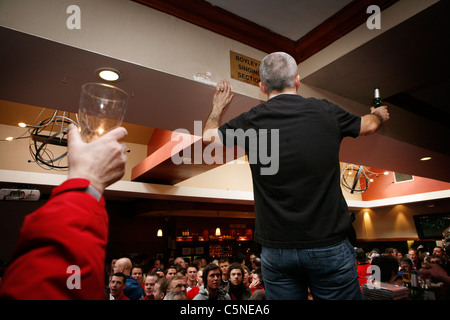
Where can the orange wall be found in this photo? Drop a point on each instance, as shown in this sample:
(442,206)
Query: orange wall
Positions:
(384,186)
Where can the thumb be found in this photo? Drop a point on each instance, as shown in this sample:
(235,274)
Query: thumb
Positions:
(118,133)
(73,136)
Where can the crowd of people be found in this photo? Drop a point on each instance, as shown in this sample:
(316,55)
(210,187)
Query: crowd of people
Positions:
(141,278)
(144,278)
(395,267)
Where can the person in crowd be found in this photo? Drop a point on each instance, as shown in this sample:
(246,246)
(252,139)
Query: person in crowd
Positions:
(53,239)
(405,266)
(224,263)
(211,290)
(362,265)
(197,263)
(160,289)
(236,287)
(440,252)
(171,272)
(133,290)
(191,274)
(256,264)
(149,285)
(258,295)
(194,290)
(160,272)
(388,266)
(177,283)
(137,272)
(179,261)
(257,281)
(434,258)
(117,285)
(372,254)
(157,264)
(251,257)
(246,277)
(412,254)
(182,272)
(175,295)
(289,225)
(399,256)
(199,277)
(111,267)
(392,251)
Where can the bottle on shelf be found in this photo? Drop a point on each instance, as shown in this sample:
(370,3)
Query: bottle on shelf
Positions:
(377,102)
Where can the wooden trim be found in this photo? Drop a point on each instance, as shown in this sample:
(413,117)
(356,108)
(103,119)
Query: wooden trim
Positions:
(205,15)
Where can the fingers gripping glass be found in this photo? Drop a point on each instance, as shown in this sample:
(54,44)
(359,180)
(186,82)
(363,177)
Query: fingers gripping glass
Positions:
(102,108)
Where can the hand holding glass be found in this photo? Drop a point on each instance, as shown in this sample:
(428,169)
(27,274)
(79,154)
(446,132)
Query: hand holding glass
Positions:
(102,108)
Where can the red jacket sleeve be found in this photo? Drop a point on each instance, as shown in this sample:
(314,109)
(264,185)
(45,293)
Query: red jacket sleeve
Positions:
(71,229)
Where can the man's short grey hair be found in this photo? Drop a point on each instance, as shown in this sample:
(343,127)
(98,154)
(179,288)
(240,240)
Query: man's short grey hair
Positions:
(278,71)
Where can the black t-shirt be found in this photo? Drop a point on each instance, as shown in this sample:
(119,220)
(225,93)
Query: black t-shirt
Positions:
(295,169)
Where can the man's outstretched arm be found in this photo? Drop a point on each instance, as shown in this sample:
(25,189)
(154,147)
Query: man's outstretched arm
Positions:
(222,98)
(371,122)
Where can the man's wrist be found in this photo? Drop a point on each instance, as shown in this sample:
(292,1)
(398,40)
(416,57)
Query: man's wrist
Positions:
(380,118)
(78,184)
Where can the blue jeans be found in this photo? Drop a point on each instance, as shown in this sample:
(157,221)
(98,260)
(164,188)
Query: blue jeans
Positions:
(329,272)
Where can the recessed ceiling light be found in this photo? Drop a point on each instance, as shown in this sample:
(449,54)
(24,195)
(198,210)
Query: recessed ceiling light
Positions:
(22,124)
(109,74)
(425,159)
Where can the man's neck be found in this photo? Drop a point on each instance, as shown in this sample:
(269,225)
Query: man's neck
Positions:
(213,293)
(192,283)
(273,94)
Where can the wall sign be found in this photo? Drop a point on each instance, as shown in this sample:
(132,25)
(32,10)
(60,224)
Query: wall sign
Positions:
(244,69)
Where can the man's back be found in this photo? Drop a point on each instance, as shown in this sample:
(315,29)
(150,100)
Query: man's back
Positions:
(301,204)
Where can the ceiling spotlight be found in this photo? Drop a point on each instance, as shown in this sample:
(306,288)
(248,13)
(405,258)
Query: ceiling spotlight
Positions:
(425,159)
(9,138)
(22,124)
(109,74)
(386,173)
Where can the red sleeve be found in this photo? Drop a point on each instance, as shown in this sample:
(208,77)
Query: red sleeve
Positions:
(71,229)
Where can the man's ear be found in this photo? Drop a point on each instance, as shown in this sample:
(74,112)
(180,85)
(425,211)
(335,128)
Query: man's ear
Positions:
(297,82)
(262,87)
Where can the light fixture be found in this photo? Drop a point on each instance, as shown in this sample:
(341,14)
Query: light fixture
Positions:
(9,138)
(218,233)
(109,74)
(425,158)
(159,233)
(22,124)
(386,173)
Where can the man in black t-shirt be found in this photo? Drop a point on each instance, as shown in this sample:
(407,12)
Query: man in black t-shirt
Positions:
(302,218)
